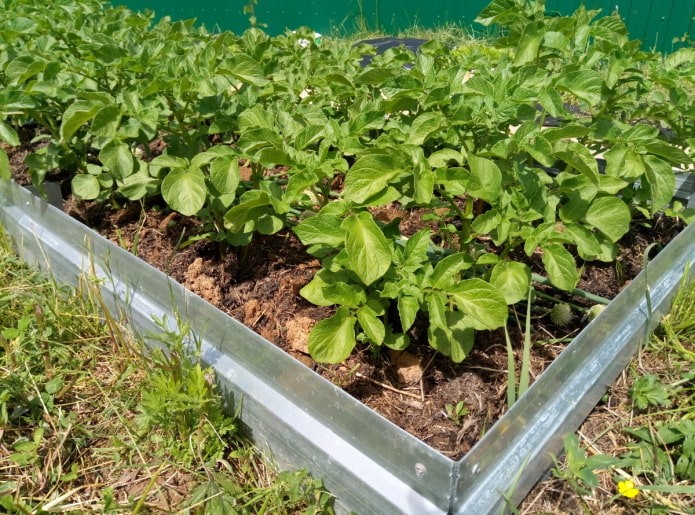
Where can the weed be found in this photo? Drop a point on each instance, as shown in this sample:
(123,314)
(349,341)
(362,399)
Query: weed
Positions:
(654,468)
(456,412)
(72,382)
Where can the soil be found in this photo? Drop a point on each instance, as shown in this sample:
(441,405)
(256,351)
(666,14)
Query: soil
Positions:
(259,286)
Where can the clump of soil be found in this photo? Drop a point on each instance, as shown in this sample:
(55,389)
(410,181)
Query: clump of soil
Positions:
(259,286)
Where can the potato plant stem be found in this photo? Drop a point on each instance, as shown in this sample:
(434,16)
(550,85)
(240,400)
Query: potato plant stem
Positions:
(576,292)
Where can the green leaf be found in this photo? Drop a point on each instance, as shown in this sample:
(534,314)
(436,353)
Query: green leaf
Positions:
(529,42)
(106,121)
(248,70)
(587,85)
(332,340)
(5,172)
(118,159)
(579,157)
(561,267)
(610,215)
(425,125)
(370,254)
(448,269)
(408,308)
(587,244)
(551,101)
(540,149)
(269,224)
(416,249)
(54,385)
(224,174)
(237,217)
(663,149)
(486,178)
(487,222)
(447,331)
(580,191)
(482,303)
(396,341)
(170,161)
(9,135)
(185,190)
(371,325)
(624,163)
(512,279)
(376,76)
(321,229)
(328,288)
(558,41)
(23,68)
(369,176)
(662,181)
(77,115)
(138,185)
(308,136)
(85,186)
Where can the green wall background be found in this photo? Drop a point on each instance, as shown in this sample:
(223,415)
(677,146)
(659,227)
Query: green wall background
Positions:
(655,23)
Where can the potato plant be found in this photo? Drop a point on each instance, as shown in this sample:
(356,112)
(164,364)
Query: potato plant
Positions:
(462,135)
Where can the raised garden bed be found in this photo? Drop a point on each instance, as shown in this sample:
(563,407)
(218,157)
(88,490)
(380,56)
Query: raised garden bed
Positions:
(381,215)
(368,463)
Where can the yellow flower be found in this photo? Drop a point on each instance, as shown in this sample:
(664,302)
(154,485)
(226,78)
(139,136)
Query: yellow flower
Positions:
(627,489)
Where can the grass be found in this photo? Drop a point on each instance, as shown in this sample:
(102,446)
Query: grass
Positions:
(636,451)
(89,424)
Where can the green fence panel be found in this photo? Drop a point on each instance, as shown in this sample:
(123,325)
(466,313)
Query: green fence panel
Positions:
(657,24)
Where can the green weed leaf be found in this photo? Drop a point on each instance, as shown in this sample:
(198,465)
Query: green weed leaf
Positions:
(648,390)
(5,172)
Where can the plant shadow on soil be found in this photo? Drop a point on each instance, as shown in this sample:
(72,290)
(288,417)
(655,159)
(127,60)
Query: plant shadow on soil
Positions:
(410,388)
